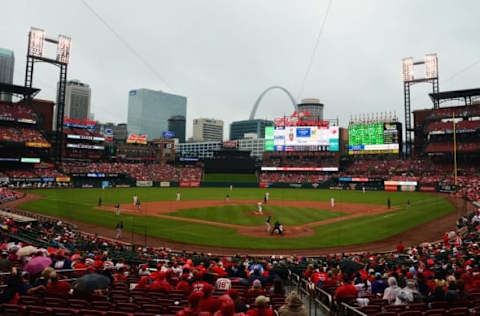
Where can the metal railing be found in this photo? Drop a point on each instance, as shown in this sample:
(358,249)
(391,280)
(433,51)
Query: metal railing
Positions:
(319,301)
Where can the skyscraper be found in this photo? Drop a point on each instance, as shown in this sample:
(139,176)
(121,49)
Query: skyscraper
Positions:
(314,107)
(77,100)
(177,124)
(149,111)
(239,128)
(207,130)
(7,64)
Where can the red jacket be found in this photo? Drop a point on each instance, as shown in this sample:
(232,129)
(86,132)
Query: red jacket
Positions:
(263,312)
(344,291)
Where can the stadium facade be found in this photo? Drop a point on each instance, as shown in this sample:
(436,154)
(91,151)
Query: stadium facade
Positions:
(149,111)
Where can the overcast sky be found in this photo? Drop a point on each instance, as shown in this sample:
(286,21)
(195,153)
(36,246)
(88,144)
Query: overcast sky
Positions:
(222,54)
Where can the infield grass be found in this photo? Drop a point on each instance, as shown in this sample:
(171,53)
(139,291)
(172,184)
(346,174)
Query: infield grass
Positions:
(79,205)
(241,214)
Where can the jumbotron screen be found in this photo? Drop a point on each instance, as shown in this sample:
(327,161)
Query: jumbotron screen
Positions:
(374,138)
(301,138)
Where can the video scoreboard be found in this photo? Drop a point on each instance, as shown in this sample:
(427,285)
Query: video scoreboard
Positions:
(301,138)
(374,138)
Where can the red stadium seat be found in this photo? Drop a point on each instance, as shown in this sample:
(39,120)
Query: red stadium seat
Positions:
(57,311)
(434,312)
(77,304)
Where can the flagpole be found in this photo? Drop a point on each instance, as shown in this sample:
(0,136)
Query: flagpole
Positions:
(454,150)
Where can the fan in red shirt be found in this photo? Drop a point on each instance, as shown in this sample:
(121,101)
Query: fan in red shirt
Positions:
(400,247)
(57,288)
(345,292)
(256,289)
(209,303)
(194,301)
(183,285)
(160,284)
(199,283)
(261,307)
(120,276)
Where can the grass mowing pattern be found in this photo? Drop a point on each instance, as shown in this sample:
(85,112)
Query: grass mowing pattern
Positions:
(230,177)
(237,214)
(78,204)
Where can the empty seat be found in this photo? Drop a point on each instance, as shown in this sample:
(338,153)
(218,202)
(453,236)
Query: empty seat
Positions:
(126,307)
(434,312)
(38,310)
(154,308)
(29,300)
(101,305)
(395,308)
(410,313)
(77,304)
(12,310)
(87,312)
(371,309)
(57,311)
(458,311)
(54,302)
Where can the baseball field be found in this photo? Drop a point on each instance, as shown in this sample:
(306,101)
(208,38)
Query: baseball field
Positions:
(205,217)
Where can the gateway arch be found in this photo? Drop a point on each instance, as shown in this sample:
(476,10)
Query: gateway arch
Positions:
(260,97)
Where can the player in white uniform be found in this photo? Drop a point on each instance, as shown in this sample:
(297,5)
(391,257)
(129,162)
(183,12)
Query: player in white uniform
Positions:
(259,204)
(135,200)
(332,202)
(178,196)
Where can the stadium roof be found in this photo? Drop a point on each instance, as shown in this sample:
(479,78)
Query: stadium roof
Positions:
(18,90)
(467,94)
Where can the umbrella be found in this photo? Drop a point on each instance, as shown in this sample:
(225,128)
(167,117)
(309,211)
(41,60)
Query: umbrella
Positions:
(90,282)
(350,267)
(37,264)
(26,251)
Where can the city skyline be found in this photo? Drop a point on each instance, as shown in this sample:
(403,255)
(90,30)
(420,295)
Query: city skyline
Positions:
(356,68)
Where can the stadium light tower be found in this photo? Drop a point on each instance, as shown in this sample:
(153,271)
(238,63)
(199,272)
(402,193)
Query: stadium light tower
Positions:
(36,41)
(431,76)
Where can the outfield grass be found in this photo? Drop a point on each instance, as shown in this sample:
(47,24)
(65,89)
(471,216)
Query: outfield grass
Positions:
(230,177)
(79,205)
(238,214)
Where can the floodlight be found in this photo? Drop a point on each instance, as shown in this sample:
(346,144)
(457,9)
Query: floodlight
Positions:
(431,66)
(63,49)
(36,39)
(408,69)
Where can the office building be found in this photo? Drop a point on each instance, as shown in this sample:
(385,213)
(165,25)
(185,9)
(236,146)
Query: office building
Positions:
(149,111)
(177,125)
(314,107)
(7,65)
(119,130)
(239,128)
(251,143)
(207,130)
(198,150)
(77,100)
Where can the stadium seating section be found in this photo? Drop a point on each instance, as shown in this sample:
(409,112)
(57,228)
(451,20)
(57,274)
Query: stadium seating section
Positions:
(21,135)
(441,278)
(9,111)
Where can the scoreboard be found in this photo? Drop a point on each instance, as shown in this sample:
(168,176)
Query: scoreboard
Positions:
(374,138)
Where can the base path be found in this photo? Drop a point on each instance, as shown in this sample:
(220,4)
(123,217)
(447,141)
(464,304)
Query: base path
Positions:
(427,232)
(160,208)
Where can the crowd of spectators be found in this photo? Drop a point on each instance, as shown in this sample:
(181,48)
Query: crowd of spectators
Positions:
(293,177)
(461,125)
(10,111)
(139,171)
(148,280)
(7,195)
(31,173)
(442,275)
(21,135)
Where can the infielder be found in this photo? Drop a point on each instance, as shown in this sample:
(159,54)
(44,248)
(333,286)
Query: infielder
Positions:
(332,202)
(178,196)
(259,204)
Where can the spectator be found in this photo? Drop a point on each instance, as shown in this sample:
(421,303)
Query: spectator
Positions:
(56,287)
(261,307)
(293,307)
(345,292)
(392,291)
(378,286)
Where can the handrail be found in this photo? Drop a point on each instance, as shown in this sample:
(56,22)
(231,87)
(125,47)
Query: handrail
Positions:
(353,309)
(327,295)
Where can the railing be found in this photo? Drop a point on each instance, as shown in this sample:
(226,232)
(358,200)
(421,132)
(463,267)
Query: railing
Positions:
(347,310)
(318,300)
